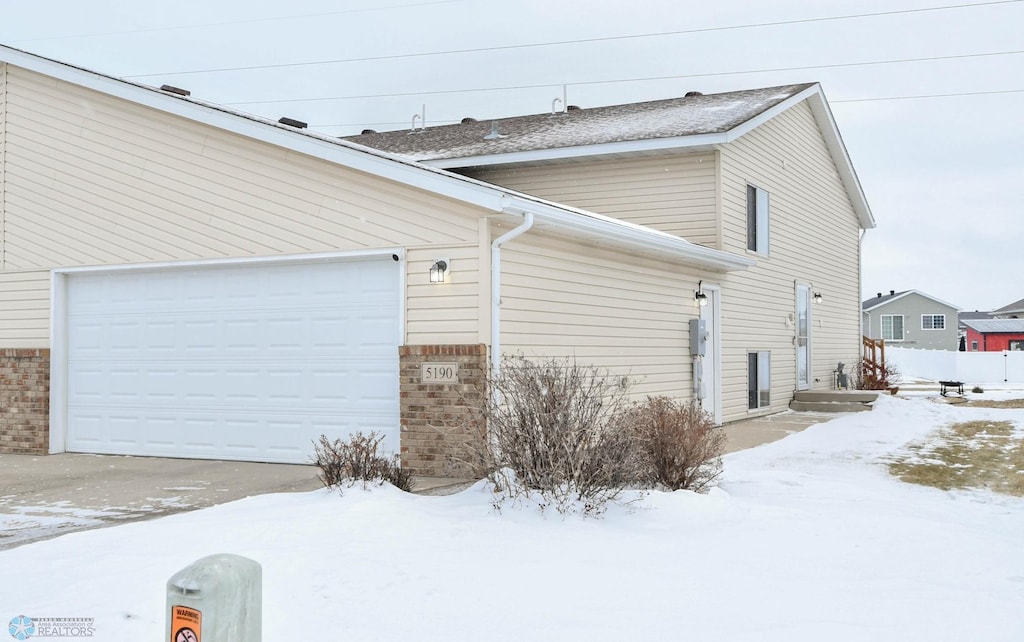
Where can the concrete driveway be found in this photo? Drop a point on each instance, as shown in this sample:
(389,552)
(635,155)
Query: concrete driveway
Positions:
(46,496)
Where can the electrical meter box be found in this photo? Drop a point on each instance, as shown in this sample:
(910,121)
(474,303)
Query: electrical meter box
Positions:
(698,337)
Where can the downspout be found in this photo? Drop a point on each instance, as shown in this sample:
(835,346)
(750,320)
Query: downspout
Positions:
(496,287)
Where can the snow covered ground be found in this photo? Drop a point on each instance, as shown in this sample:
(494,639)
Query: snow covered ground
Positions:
(808,538)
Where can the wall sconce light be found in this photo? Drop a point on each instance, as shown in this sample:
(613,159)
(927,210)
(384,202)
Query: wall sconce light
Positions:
(438,271)
(699,296)
(818,297)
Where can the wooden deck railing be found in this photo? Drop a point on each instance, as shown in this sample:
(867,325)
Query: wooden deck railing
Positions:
(873,364)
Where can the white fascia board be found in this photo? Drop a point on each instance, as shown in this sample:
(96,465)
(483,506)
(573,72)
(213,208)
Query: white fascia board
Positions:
(631,235)
(581,151)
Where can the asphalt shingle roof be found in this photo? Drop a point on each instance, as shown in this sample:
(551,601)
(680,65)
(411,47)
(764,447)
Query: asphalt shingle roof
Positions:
(879,300)
(674,117)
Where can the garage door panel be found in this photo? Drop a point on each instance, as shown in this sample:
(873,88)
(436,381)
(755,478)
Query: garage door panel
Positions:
(235,363)
(281,438)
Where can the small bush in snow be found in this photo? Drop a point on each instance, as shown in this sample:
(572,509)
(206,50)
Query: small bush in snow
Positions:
(554,436)
(343,464)
(977,390)
(680,446)
(867,379)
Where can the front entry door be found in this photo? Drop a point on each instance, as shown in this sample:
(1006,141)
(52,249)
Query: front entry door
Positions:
(712,377)
(803,337)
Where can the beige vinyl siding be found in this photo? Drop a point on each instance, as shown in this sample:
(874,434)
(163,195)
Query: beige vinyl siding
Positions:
(93,180)
(674,193)
(448,312)
(601,308)
(814,239)
(3,147)
(25,301)
(106,181)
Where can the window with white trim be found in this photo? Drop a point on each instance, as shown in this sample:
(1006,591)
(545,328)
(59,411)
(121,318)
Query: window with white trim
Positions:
(757,219)
(759,379)
(892,327)
(933,321)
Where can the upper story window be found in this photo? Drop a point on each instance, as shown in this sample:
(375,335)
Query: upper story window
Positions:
(974,346)
(892,327)
(933,321)
(757,219)
(1016,345)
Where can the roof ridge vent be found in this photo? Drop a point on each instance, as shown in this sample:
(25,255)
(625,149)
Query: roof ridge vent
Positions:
(467,120)
(573,108)
(171,89)
(291,122)
(494,135)
(367,131)
(692,94)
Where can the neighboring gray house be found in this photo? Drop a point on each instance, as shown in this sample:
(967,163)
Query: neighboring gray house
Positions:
(1014,310)
(911,319)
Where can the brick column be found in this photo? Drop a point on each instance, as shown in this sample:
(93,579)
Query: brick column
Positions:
(24,401)
(437,418)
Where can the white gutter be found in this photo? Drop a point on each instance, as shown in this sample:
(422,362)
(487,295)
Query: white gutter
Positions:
(496,286)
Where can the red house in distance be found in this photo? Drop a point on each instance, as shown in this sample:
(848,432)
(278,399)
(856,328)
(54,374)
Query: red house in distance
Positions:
(994,335)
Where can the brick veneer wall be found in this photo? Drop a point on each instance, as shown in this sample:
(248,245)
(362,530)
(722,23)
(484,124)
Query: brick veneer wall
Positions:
(437,418)
(24,401)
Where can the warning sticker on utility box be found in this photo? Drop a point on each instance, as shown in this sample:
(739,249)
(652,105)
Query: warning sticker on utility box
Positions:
(186,624)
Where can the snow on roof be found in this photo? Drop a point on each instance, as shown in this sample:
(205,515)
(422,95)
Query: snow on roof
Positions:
(989,326)
(691,115)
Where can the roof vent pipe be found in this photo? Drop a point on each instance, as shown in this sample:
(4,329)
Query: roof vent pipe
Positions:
(892,292)
(554,103)
(171,89)
(879,295)
(494,135)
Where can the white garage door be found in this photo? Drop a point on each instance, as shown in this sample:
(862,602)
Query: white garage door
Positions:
(244,362)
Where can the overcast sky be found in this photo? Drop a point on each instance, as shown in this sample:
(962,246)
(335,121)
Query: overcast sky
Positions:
(935,128)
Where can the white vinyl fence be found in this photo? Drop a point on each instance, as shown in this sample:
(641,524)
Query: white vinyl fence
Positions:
(969,367)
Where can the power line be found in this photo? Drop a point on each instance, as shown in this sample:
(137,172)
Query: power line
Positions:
(228,23)
(573,42)
(623,80)
(449,121)
(953,95)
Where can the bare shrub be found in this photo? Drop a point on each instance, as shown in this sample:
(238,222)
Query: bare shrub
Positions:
(554,436)
(867,379)
(343,464)
(680,445)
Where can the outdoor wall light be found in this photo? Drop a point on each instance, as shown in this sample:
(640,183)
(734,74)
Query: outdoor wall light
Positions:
(438,271)
(818,297)
(699,296)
